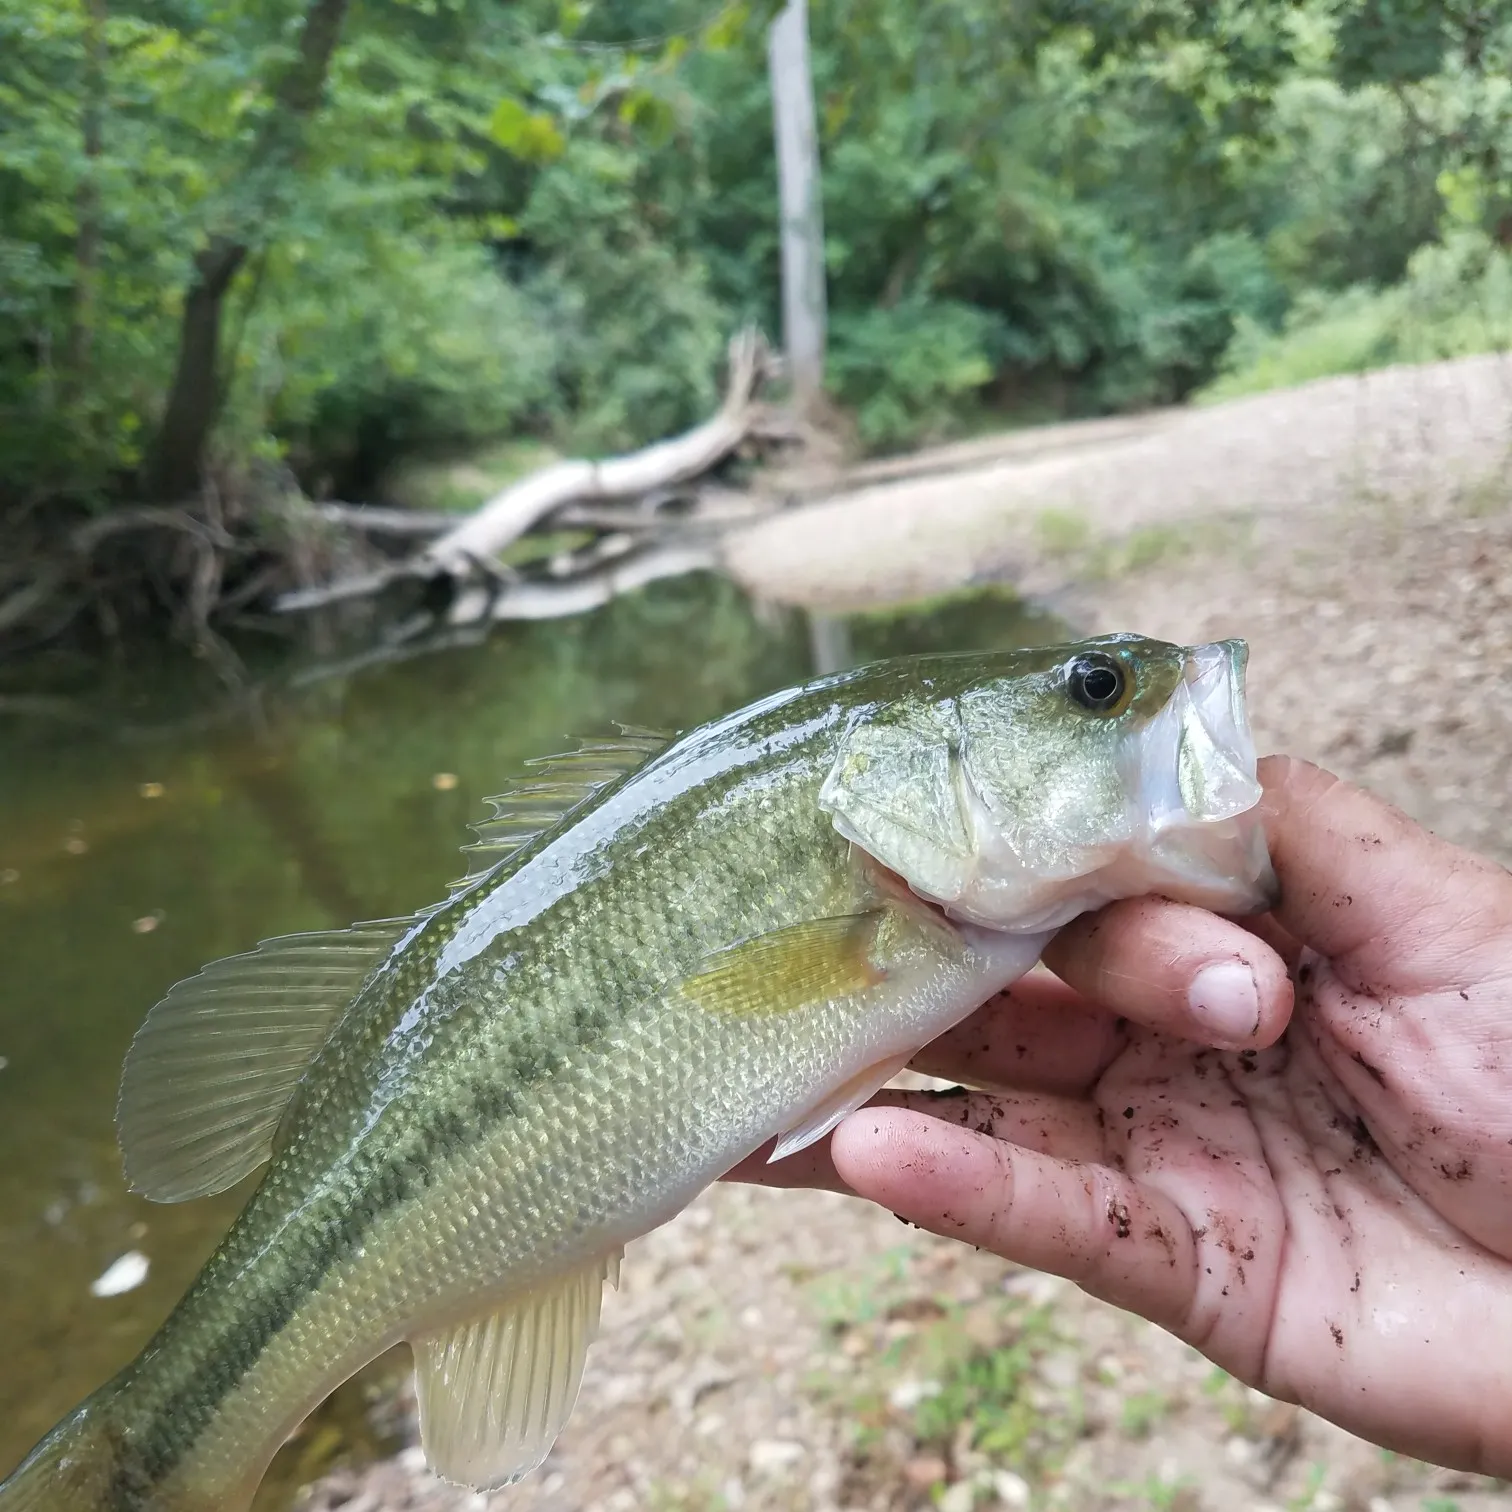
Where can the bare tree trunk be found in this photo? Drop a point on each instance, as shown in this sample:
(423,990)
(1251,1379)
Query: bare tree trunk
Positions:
(178,453)
(87,205)
(797,137)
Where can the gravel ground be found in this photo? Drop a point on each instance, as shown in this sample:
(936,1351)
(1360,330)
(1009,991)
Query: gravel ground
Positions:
(786,1351)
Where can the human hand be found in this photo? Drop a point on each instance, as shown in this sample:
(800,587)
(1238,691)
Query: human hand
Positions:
(1324,1206)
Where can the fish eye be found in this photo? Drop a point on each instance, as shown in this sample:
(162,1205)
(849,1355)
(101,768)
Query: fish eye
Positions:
(1098,683)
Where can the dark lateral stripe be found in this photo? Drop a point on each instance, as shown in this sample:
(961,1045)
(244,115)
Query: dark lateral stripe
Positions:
(333,1235)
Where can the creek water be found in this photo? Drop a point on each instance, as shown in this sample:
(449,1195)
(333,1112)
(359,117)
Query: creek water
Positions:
(149,824)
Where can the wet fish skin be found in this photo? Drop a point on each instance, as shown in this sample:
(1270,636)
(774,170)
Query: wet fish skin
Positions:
(563,1055)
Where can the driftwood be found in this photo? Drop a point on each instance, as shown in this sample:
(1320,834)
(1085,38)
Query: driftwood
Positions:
(649,514)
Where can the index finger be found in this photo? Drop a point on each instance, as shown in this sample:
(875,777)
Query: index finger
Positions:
(1357,874)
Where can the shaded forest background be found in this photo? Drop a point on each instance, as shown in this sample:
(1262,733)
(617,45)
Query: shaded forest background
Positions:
(249,246)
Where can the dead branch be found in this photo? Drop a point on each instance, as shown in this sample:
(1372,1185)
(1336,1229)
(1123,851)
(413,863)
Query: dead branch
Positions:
(709,506)
(342,591)
(18,607)
(508,515)
(85,538)
(375,519)
(591,590)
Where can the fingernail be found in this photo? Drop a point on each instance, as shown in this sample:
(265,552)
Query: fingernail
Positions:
(1224,998)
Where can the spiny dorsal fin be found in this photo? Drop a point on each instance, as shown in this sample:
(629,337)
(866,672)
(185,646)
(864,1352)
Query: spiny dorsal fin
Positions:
(211,1070)
(551,789)
(495,1392)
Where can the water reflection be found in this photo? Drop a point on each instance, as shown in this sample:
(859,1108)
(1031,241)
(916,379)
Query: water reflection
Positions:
(140,838)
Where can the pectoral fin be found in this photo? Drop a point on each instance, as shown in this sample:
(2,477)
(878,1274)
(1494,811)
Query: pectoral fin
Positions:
(494,1393)
(791,968)
(840,1103)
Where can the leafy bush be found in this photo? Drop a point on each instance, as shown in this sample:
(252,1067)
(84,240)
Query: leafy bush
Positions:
(1456,301)
(907,370)
(385,346)
(637,335)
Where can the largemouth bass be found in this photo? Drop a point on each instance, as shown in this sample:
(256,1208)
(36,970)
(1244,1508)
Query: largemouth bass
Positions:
(667,953)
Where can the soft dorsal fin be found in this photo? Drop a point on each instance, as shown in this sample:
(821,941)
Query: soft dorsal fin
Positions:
(495,1392)
(211,1070)
(552,787)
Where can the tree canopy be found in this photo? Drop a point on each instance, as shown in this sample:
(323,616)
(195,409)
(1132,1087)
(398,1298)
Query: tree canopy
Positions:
(425,224)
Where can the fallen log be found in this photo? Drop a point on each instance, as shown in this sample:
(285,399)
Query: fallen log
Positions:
(544,599)
(508,515)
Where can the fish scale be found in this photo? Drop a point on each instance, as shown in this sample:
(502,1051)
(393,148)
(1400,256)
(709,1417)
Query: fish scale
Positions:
(702,952)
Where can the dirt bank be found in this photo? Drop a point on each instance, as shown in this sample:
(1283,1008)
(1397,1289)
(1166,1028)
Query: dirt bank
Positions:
(796,1351)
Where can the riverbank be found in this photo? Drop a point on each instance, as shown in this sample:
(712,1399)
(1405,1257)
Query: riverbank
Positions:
(776,1352)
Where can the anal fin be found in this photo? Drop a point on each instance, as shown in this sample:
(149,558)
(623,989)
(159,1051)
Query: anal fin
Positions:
(839,1104)
(495,1392)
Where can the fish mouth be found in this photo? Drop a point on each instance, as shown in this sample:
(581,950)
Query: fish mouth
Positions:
(1215,759)
(1201,792)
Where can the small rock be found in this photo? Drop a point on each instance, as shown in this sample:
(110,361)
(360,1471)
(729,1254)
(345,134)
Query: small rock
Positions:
(444,782)
(9,875)
(76,845)
(123,1275)
(774,1456)
(150,789)
(907,1395)
(960,1497)
(1010,1489)
(146,924)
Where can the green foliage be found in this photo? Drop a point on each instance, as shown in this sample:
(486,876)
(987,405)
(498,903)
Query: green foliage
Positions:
(637,334)
(385,347)
(1141,1413)
(544,220)
(907,370)
(997,1393)
(1456,301)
